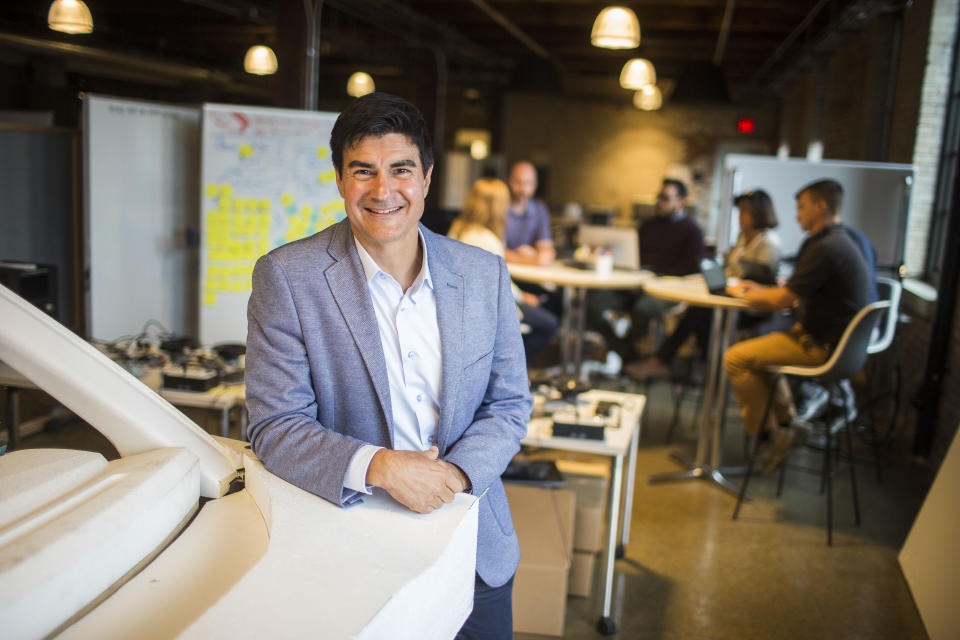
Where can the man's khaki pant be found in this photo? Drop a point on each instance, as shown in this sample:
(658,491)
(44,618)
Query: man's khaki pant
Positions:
(746,362)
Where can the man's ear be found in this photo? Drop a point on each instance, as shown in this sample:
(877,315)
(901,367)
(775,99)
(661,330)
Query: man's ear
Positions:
(426,180)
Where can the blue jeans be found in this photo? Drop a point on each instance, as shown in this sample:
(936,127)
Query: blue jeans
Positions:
(492,615)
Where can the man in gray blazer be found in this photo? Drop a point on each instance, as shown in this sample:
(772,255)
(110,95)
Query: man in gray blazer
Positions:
(380,354)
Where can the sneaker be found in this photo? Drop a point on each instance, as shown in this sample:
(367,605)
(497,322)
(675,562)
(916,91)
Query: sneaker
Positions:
(782,441)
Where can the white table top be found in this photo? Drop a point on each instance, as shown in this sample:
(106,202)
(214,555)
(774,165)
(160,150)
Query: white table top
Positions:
(693,290)
(565,276)
(615,441)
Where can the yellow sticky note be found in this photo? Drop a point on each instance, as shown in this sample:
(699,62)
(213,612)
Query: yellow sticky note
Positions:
(327,177)
(212,190)
(209,298)
(286,199)
(322,152)
(226,190)
(246,151)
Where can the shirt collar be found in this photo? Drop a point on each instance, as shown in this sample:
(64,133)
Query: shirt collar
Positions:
(371,268)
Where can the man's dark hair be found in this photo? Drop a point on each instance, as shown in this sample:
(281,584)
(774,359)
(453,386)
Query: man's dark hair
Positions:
(681,188)
(827,191)
(760,207)
(377,114)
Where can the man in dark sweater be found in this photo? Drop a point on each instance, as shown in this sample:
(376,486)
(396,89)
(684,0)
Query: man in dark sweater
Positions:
(829,285)
(671,244)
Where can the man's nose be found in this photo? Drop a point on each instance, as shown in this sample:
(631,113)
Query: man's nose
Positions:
(381,186)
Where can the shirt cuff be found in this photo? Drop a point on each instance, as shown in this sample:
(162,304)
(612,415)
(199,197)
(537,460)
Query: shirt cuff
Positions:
(356,476)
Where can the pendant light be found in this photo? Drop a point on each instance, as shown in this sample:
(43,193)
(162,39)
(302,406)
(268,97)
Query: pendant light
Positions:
(360,84)
(637,73)
(70,16)
(616,28)
(648,98)
(260,61)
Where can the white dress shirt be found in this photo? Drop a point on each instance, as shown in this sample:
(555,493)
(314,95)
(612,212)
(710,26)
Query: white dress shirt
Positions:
(410,338)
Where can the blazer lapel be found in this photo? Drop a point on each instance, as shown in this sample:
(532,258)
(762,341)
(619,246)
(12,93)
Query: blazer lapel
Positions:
(449,291)
(348,285)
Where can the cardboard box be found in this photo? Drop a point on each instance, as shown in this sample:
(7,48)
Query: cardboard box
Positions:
(544,520)
(589,481)
(581,573)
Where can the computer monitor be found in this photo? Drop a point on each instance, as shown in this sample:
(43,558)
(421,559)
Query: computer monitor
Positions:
(623,241)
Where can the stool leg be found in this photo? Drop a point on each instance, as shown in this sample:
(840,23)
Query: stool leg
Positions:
(783,474)
(753,456)
(828,472)
(853,475)
(746,479)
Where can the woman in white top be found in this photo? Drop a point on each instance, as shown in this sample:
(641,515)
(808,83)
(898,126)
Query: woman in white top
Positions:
(482,223)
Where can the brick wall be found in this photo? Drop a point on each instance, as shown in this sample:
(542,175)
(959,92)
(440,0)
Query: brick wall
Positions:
(602,153)
(926,152)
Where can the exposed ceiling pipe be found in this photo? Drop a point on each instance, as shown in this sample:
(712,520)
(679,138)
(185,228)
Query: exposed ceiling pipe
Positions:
(143,65)
(724,34)
(312,13)
(514,30)
(789,40)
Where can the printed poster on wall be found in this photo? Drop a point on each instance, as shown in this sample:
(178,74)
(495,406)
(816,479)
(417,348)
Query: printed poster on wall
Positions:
(266,179)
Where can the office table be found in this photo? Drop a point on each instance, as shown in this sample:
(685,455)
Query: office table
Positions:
(575,283)
(693,291)
(617,444)
(222,397)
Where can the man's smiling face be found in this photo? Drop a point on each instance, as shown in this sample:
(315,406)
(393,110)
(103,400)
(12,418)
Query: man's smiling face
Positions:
(383,188)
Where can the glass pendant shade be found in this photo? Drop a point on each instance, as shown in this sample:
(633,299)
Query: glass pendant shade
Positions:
(260,61)
(616,28)
(637,73)
(360,84)
(648,98)
(70,16)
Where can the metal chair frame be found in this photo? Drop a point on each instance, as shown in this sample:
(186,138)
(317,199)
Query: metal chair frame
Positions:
(846,361)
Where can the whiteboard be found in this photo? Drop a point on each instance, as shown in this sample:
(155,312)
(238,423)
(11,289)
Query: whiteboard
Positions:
(141,169)
(267,179)
(875,198)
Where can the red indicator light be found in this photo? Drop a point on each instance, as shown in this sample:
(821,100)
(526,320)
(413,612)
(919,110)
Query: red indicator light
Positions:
(745,125)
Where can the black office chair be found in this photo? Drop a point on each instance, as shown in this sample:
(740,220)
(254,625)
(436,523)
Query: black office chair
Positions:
(846,361)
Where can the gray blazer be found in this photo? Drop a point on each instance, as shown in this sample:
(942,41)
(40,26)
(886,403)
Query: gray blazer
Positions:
(317,382)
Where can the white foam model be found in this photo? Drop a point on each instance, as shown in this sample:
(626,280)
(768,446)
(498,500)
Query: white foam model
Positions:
(132,416)
(93,523)
(269,561)
(373,571)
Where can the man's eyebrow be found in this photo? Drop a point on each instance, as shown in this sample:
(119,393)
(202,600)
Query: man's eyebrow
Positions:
(404,163)
(359,163)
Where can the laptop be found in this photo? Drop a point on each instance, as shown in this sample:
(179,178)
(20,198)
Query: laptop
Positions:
(623,241)
(715,278)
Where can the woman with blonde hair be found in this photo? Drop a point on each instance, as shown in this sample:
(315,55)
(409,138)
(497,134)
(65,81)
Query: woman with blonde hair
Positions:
(482,223)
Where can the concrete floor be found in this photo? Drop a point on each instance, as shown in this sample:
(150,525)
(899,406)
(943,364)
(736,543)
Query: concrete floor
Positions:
(692,572)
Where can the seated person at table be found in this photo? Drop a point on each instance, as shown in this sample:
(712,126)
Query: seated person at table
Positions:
(671,244)
(756,254)
(528,238)
(829,285)
(481,223)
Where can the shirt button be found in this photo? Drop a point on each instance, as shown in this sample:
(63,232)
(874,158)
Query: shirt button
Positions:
(411,354)
(419,397)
